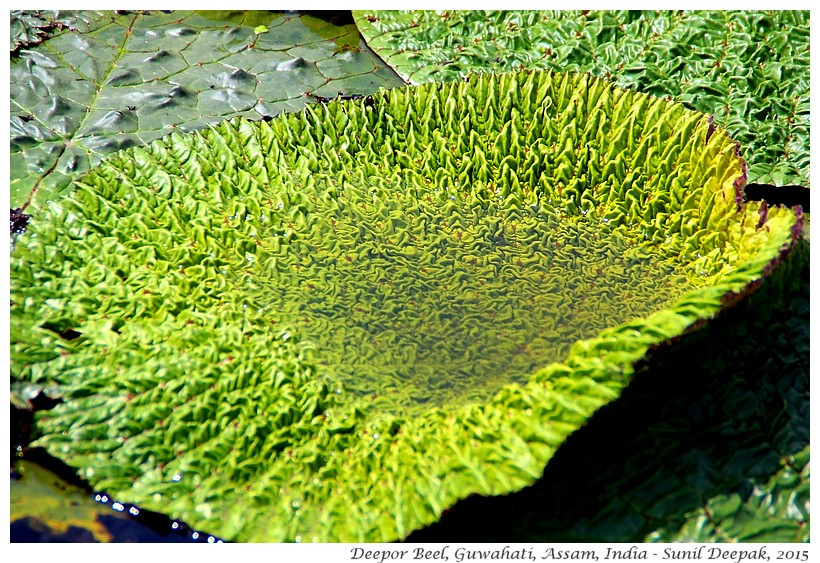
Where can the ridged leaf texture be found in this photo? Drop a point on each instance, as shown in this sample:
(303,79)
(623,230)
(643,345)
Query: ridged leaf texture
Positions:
(750,69)
(147,297)
(104,81)
(775,511)
(28,28)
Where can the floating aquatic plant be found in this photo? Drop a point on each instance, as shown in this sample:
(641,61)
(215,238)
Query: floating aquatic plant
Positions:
(334,325)
(749,68)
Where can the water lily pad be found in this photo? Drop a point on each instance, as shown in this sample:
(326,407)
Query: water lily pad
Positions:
(54,506)
(105,81)
(748,68)
(46,508)
(229,364)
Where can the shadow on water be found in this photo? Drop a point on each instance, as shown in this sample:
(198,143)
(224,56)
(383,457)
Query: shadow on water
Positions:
(712,414)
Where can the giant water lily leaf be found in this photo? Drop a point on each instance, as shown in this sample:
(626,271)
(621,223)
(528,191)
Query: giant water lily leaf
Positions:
(652,437)
(748,68)
(108,81)
(263,328)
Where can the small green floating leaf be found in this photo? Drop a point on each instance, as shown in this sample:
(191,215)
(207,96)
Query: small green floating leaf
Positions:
(53,506)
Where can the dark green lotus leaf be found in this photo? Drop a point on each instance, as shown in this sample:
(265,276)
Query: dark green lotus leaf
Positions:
(750,69)
(26,29)
(126,79)
(335,325)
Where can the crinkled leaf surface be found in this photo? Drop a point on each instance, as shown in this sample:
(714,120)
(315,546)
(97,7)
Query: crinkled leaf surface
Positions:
(143,294)
(109,81)
(748,68)
(27,28)
(776,511)
(653,465)
(733,454)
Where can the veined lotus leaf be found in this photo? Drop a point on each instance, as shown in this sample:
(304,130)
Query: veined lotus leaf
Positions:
(333,326)
(750,69)
(26,29)
(117,80)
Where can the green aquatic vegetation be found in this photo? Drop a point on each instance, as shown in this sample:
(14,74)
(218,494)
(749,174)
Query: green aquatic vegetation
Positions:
(418,297)
(105,81)
(166,299)
(774,511)
(28,28)
(748,68)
